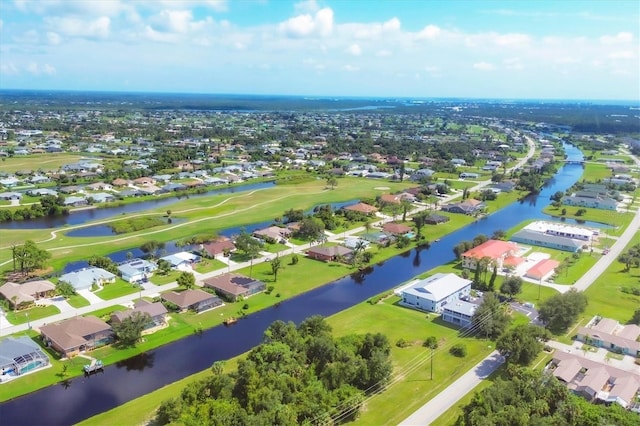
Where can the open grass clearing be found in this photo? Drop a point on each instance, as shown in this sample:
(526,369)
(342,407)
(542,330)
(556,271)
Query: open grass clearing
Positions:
(208,265)
(619,220)
(39,161)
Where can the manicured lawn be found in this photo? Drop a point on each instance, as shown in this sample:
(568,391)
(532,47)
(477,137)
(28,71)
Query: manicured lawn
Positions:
(105,313)
(159,279)
(605,295)
(411,384)
(31,314)
(117,289)
(208,265)
(274,248)
(619,220)
(595,172)
(77,301)
(39,161)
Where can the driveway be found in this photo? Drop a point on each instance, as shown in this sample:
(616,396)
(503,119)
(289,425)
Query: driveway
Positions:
(92,298)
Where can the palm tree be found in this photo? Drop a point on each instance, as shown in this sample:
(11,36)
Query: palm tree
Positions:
(357,249)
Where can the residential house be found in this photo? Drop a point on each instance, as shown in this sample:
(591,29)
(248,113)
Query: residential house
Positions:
(234,286)
(468,206)
(390,199)
(20,355)
(396,228)
(542,269)
(436,219)
(40,192)
(273,233)
(85,278)
(459,312)
(120,183)
(541,239)
(421,174)
(496,251)
(25,294)
(195,300)
(10,196)
(611,335)
(102,197)
(75,201)
(77,334)
(144,181)
(220,245)
(432,294)
(351,242)
(328,253)
(136,270)
(156,311)
(602,203)
(593,380)
(362,208)
(469,175)
(99,186)
(182,261)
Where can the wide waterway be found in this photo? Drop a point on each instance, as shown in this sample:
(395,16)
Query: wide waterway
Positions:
(81,397)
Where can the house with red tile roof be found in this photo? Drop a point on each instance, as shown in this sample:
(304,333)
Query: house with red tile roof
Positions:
(496,250)
(542,270)
(218,246)
(390,199)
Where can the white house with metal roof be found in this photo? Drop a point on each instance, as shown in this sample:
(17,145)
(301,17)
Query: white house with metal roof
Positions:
(432,294)
(459,312)
(85,278)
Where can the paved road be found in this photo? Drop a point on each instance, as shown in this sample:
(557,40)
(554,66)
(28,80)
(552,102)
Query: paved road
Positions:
(455,391)
(452,394)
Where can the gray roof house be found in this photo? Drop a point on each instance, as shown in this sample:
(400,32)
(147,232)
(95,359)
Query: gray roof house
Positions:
(432,294)
(85,278)
(542,239)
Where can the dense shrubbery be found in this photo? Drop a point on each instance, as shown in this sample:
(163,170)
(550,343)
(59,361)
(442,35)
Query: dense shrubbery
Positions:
(297,375)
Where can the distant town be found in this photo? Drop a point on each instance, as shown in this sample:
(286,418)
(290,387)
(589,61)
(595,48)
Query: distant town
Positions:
(471,242)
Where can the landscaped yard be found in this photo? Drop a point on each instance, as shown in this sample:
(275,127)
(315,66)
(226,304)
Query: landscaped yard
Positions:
(117,289)
(208,265)
(31,314)
(77,301)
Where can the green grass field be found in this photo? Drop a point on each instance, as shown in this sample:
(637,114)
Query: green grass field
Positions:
(31,314)
(117,289)
(38,161)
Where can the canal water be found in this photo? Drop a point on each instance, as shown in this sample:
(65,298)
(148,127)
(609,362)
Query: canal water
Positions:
(80,398)
(88,215)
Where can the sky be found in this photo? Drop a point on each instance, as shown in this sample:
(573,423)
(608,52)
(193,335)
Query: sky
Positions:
(521,49)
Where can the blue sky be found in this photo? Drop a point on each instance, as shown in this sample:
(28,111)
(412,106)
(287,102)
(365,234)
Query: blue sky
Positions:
(458,48)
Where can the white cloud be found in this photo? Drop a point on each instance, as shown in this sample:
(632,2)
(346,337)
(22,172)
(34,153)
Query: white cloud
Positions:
(382,53)
(484,66)
(429,32)
(351,68)
(172,21)
(36,69)
(622,54)
(354,50)
(1,23)
(76,27)
(370,31)
(308,6)
(53,38)
(28,37)
(321,23)
(8,68)
(620,38)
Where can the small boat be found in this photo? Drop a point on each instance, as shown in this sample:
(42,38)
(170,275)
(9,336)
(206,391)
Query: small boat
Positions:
(230,320)
(436,240)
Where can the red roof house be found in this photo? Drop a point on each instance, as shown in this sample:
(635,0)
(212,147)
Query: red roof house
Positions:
(362,208)
(495,250)
(542,269)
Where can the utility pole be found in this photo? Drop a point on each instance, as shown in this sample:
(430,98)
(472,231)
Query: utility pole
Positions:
(431,363)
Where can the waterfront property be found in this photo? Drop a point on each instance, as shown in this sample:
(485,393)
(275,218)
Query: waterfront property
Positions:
(595,381)
(396,228)
(193,300)
(23,295)
(468,206)
(182,261)
(594,202)
(20,355)
(85,278)
(496,251)
(459,312)
(555,235)
(432,294)
(328,253)
(233,286)
(611,335)
(136,270)
(75,335)
(436,219)
(220,245)
(362,208)
(157,313)
(273,233)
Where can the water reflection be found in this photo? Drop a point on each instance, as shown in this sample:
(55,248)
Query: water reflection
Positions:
(138,362)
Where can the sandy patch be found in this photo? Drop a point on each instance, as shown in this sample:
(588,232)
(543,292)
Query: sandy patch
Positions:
(382,188)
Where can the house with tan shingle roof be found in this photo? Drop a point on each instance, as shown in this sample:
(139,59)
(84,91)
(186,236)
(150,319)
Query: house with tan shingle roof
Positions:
(76,335)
